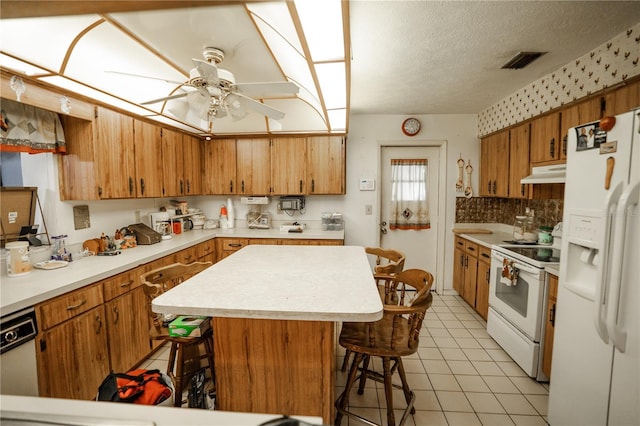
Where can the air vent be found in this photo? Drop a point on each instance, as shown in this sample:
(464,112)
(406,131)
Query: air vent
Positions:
(522,59)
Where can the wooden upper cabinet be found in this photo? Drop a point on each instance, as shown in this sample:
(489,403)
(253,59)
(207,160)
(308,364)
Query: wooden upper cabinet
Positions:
(288,166)
(219,167)
(326,165)
(192,165)
(148,160)
(494,167)
(545,139)
(518,160)
(623,99)
(78,169)
(173,163)
(253,166)
(114,151)
(575,115)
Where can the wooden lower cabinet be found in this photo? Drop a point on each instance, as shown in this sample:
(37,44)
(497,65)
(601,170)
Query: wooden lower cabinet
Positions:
(104,326)
(471,266)
(227,246)
(482,284)
(127,330)
(71,347)
(549,327)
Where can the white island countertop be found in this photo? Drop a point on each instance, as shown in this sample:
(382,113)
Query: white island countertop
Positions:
(315,283)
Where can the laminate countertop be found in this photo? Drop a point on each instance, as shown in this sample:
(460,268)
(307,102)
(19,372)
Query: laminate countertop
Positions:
(47,411)
(21,292)
(314,283)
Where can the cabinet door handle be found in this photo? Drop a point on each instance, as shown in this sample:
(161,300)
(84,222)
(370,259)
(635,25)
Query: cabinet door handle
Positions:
(489,187)
(142,186)
(188,187)
(495,185)
(301,186)
(130,185)
(313,185)
(242,187)
(100,191)
(98,324)
(76,306)
(181,186)
(564,145)
(116,314)
(552,315)
(466,262)
(487,277)
(552,147)
(462,260)
(231,186)
(127,284)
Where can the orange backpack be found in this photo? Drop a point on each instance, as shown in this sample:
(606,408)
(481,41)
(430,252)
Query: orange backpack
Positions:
(140,386)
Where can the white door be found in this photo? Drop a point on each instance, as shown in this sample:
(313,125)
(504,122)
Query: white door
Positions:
(421,247)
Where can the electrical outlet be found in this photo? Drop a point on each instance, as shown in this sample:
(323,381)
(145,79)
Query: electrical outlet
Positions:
(368,209)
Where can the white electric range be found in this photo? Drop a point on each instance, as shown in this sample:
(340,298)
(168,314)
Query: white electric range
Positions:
(517,298)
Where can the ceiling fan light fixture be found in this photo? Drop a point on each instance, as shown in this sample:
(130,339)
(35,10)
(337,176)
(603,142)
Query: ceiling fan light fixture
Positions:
(521,60)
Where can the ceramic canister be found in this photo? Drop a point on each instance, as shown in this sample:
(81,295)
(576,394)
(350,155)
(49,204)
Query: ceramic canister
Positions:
(18,258)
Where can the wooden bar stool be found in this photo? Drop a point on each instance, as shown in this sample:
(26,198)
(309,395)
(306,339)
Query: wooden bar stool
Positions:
(388,263)
(185,354)
(390,338)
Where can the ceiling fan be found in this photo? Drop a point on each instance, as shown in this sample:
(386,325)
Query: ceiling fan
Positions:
(217,94)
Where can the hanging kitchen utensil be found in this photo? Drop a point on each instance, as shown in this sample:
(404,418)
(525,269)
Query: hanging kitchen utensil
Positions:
(468,192)
(460,183)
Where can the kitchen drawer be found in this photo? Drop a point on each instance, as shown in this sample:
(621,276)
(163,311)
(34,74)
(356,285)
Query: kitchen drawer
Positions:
(187,256)
(459,243)
(121,283)
(229,244)
(68,306)
(484,254)
(205,249)
(471,248)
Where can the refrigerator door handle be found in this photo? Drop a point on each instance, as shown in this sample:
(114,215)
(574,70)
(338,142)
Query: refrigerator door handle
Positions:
(602,285)
(628,200)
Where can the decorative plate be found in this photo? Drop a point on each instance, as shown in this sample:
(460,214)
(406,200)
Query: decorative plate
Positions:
(51,264)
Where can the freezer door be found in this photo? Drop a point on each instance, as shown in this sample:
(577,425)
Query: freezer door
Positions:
(623,319)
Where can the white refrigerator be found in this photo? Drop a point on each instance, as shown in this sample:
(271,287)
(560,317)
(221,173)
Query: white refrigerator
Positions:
(595,373)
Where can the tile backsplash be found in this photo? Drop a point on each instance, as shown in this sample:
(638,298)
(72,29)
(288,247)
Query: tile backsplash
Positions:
(504,210)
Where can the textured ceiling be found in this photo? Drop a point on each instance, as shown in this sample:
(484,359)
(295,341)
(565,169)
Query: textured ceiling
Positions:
(439,57)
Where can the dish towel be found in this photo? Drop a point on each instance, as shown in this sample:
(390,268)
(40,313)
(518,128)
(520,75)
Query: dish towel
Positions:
(509,273)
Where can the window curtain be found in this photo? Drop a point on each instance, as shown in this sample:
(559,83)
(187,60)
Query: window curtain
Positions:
(25,128)
(409,202)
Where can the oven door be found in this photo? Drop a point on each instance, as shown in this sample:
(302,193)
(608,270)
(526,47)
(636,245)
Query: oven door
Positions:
(519,301)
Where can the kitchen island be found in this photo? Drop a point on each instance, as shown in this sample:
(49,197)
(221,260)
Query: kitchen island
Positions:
(275,311)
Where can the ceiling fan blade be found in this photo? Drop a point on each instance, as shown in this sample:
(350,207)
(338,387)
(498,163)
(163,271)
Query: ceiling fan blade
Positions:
(166,98)
(207,70)
(259,107)
(144,76)
(263,90)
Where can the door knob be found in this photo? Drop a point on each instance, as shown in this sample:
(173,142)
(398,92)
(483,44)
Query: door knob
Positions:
(383,227)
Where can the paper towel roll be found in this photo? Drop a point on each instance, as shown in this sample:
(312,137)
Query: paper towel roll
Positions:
(230,214)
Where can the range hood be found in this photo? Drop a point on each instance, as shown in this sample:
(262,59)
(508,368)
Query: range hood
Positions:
(546,174)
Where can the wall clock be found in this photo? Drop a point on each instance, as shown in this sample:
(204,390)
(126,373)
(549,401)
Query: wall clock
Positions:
(411,126)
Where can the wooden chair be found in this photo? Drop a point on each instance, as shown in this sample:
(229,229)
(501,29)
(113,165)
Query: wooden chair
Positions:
(390,338)
(186,350)
(388,263)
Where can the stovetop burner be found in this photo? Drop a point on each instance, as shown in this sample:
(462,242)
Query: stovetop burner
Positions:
(540,254)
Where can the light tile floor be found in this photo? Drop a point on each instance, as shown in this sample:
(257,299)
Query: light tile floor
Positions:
(460,375)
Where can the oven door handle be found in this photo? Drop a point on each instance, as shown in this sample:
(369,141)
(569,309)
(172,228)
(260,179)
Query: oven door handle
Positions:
(517,264)
(525,268)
